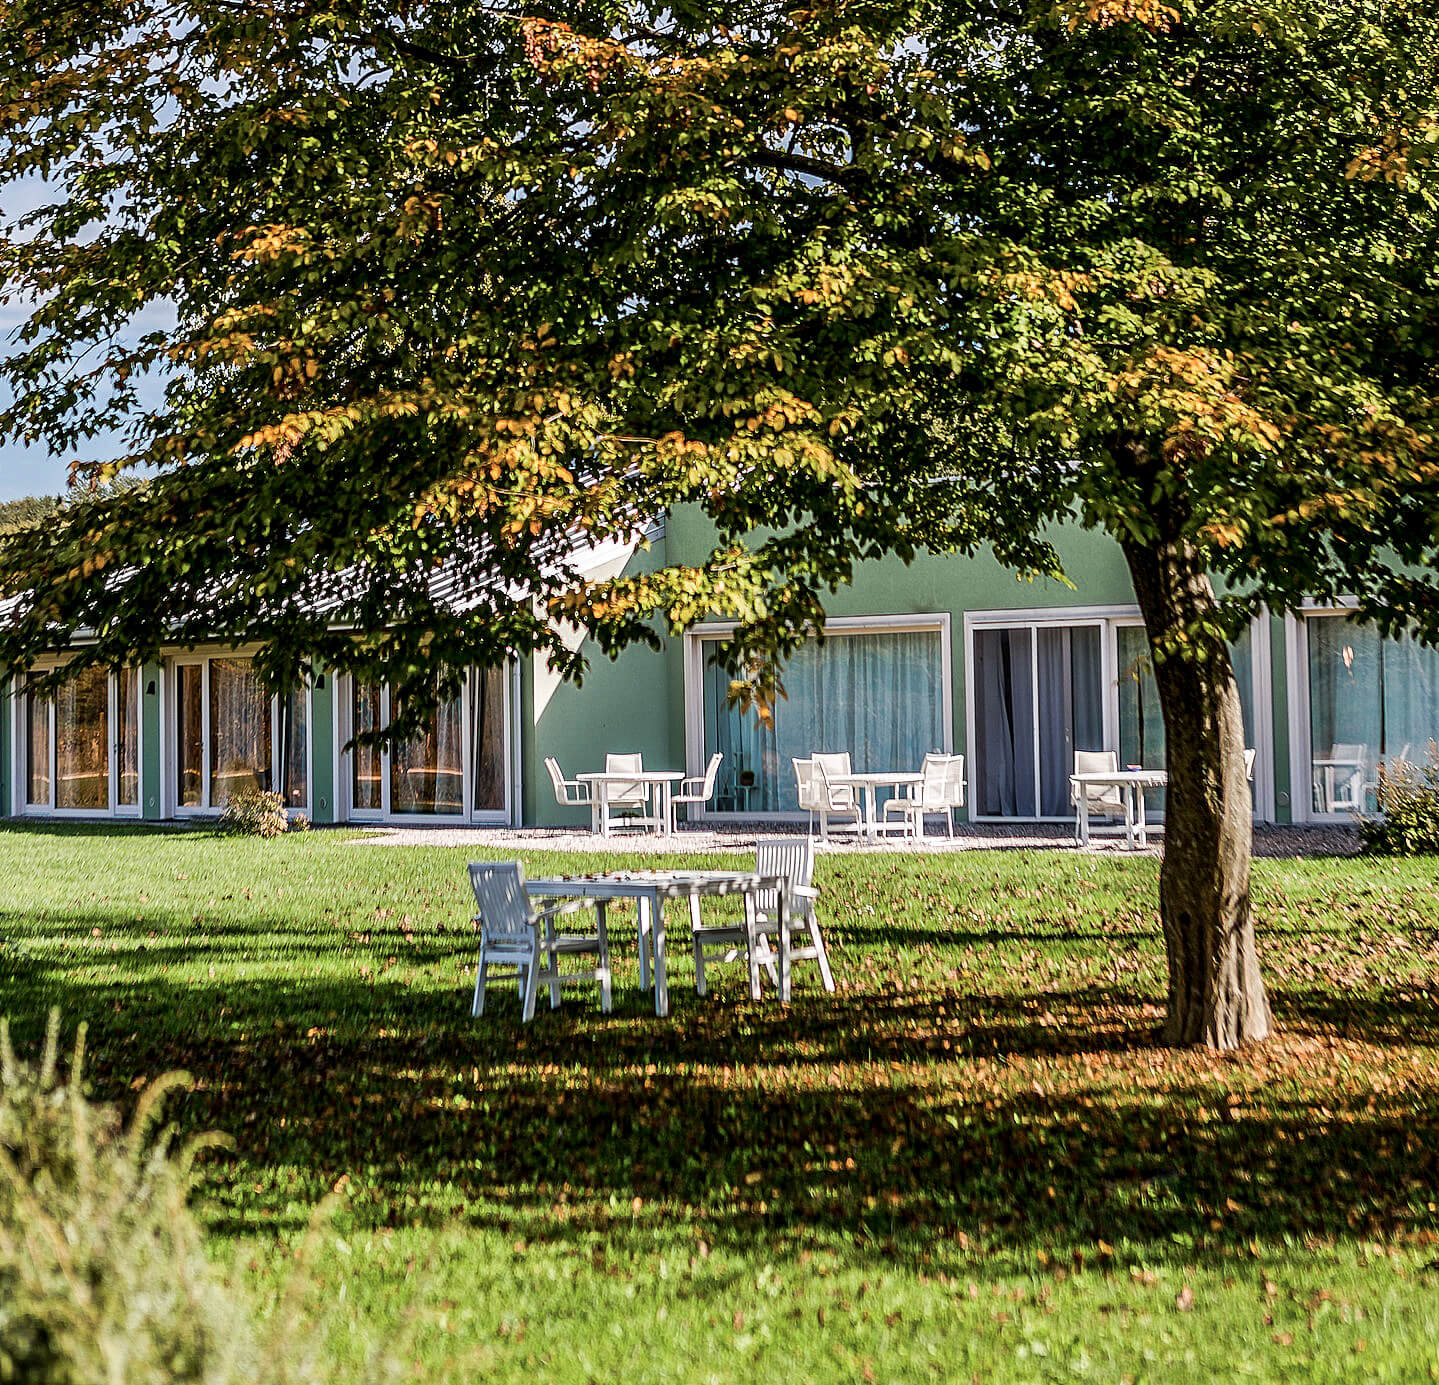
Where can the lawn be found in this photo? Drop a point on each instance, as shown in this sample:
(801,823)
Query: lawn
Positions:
(969,1164)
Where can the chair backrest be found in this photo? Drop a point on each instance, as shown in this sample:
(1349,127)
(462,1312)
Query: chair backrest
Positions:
(502,900)
(804,784)
(711,774)
(1098,762)
(633,792)
(827,767)
(1350,755)
(1249,756)
(942,782)
(790,857)
(557,778)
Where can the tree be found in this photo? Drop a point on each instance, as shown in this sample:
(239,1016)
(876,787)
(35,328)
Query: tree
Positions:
(455,284)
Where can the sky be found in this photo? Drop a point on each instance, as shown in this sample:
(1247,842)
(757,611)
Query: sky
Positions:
(30,470)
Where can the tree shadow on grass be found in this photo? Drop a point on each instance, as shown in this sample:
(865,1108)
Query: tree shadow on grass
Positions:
(912,1127)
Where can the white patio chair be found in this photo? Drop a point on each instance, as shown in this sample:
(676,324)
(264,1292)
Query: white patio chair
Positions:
(624,803)
(1104,800)
(1339,783)
(513,933)
(699,789)
(573,793)
(793,859)
(805,789)
(940,790)
(834,800)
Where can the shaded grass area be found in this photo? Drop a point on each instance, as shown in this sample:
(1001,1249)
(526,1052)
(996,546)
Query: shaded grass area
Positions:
(970,1161)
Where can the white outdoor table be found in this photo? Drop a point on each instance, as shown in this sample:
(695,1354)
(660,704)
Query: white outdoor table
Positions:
(661,780)
(650,889)
(871,781)
(1132,784)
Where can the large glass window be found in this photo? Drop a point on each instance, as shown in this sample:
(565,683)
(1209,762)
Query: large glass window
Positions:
(231,734)
(455,765)
(878,695)
(427,772)
(1038,697)
(82,743)
(1370,699)
(1141,719)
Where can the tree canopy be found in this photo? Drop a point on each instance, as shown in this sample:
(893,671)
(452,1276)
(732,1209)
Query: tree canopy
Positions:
(456,285)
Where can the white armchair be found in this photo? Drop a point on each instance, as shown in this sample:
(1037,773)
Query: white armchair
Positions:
(940,790)
(834,800)
(699,789)
(625,802)
(571,793)
(1105,800)
(1339,779)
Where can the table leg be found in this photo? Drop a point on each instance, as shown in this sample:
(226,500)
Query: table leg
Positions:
(657,939)
(1083,815)
(784,947)
(871,797)
(644,926)
(604,797)
(1139,816)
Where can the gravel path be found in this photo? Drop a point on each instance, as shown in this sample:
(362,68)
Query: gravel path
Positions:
(1268,840)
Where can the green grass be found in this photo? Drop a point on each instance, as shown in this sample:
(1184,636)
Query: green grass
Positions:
(970,1163)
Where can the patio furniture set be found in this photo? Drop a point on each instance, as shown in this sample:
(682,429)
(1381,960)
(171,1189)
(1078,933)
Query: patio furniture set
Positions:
(520,924)
(837,798)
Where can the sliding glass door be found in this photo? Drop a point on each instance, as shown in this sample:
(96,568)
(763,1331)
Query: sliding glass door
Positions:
(81,744)
(230,734)
(1038,696)
(878,695)
(1370,699)
(455,766)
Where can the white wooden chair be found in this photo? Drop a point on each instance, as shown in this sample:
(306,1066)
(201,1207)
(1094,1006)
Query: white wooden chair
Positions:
(624,803)
(834,800)
(699,789)
(1339,779)
(514,934)
(805,790)
(1103,800)
(572,793)
(940,790)
(793,859)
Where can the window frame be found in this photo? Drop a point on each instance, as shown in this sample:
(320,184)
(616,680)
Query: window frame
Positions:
(170,734)
(1110,619)
(469,815)
(20,743)
(928,622)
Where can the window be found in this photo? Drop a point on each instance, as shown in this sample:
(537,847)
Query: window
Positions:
(1038,696)
(457,766)
(81,744)
(879,693)
(231,735)
(1369,699)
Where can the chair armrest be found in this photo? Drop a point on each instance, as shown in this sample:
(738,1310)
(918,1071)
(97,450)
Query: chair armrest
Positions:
(804,891)
(690,786)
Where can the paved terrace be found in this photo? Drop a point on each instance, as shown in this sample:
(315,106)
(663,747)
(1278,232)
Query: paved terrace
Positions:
(1268,840)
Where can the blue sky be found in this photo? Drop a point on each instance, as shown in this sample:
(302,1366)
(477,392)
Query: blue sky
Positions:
(31,470)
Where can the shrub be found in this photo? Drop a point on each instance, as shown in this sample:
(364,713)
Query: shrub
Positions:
(1407,823)
(255,813)
(104,1278)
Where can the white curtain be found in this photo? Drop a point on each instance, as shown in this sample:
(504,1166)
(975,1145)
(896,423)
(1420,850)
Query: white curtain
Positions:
(427,773)
(488,735)
(37,749)
(879,696)
(367,778)
(241,749)
(82,742)
(1004,723)
(127,713)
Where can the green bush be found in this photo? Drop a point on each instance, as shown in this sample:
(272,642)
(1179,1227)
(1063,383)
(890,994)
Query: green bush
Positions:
(1407,799)
(104,1278)
(256,813)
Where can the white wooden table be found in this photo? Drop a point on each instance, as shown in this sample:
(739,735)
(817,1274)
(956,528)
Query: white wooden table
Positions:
(870,782)
(650,889)
(1132,784)
(661,781)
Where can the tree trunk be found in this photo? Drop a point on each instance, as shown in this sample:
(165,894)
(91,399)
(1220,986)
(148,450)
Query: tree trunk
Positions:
(1216,994)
